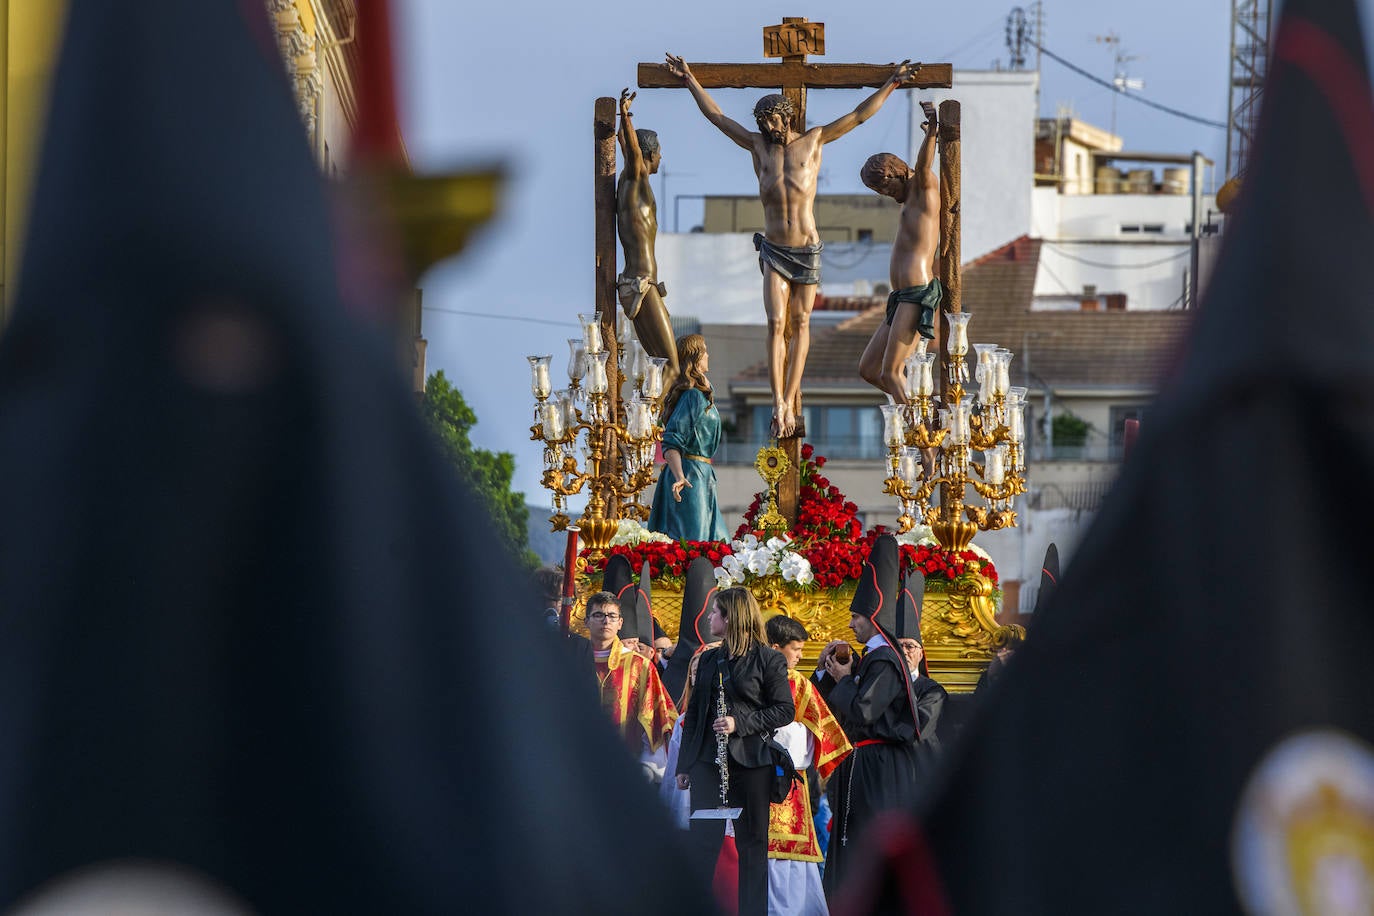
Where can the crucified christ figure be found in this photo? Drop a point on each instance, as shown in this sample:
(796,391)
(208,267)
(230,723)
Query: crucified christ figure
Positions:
(789,247)
(916,293)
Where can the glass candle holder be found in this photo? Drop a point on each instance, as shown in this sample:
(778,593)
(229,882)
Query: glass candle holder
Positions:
(1001,365)
(983,374)
(596,372)
(653,376)
(909,466)
(959,422)
(925,374)
(957,329)
(894,430)
(591,332)
(567,401)
(577,359)
(540,385)
(551,416)
(639,364)
(635,425)
(994,468)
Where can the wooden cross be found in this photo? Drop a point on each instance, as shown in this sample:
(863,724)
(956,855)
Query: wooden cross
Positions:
(792,41)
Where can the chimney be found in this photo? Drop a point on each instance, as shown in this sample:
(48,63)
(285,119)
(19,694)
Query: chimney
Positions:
(1089,302)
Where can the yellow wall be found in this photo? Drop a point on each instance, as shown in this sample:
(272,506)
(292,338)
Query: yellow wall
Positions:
(31,32)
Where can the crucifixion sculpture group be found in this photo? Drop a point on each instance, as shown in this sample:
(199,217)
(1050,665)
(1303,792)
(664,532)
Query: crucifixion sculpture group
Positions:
(786,156)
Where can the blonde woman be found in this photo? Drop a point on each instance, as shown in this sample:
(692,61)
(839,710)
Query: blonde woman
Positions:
(685,501)
(758,700)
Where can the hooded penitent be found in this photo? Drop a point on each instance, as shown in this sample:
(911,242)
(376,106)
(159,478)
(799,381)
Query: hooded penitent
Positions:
(696,602)
(909,601)
(1194,718)
(254,627)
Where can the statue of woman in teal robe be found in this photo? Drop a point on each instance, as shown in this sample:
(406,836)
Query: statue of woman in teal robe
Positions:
(684,506)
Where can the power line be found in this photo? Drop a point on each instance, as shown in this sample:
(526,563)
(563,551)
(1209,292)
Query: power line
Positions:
(1144,101)
(495,317)
(1070,257)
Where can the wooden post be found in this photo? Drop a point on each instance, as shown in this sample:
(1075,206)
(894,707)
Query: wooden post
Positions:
(603,195)
(950,191)
(950,275)
(797,96)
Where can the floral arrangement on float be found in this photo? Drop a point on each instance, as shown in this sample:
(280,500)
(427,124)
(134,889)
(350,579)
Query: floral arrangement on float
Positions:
(825,549)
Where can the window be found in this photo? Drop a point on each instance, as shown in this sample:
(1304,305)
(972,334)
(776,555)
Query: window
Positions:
(837,431)
(1119,414)
(865,235)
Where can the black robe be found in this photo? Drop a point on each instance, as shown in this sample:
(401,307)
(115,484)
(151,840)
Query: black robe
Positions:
(930,703)
(873,705)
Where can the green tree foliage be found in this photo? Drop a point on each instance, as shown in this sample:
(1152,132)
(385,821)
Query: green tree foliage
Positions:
(489,474)
(1070,429)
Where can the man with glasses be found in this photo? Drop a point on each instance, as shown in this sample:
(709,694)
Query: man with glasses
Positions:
(631,691)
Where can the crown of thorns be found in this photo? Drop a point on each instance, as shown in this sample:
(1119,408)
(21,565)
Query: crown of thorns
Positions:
(774,102)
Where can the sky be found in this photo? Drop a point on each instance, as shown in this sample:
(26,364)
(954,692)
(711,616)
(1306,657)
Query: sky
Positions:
(515,82)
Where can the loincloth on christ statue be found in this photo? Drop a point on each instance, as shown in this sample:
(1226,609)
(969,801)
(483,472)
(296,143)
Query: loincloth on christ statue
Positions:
(799,264)
(632,290)
(927,297)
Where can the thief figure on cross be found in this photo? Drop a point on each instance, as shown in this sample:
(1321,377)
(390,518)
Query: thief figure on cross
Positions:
(787,162)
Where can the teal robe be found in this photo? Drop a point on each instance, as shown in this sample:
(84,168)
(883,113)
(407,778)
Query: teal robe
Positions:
(692,429)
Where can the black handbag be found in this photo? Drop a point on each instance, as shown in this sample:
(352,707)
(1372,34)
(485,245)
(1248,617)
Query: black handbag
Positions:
(784,772)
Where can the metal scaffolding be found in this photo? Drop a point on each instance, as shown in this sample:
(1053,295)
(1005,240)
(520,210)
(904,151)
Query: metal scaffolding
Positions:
(1249,64)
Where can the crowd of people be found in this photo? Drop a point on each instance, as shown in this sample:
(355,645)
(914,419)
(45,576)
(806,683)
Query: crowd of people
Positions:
(807,761)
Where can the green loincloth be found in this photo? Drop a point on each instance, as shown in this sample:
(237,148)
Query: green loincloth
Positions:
(927,297)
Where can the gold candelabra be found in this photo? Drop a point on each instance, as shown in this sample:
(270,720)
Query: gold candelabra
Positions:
(581,421)
(931,447)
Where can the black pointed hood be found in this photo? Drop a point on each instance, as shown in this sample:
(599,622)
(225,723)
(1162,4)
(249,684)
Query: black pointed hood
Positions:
(876,595)
(644,609)
(619,580)
(1049,577)
(697,596)
(909,602)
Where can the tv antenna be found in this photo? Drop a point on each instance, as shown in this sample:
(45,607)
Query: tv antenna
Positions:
(1120,78)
